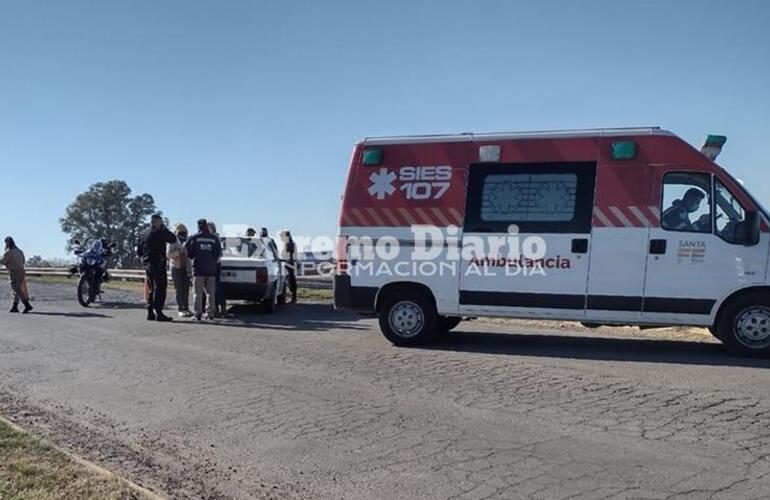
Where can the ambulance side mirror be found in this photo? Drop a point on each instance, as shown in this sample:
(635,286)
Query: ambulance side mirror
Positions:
(747,232)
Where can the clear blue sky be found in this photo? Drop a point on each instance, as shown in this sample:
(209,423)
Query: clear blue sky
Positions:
(246,111)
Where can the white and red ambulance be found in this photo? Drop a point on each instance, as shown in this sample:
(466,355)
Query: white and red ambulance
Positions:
(607,226)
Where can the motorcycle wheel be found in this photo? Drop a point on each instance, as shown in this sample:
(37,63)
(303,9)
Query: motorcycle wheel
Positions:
(85,296)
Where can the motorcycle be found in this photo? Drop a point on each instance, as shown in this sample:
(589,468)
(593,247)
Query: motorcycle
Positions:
(92,269)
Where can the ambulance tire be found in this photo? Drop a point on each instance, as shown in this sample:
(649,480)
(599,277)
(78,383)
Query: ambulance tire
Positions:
(448,323)
(743,325)
(408,318)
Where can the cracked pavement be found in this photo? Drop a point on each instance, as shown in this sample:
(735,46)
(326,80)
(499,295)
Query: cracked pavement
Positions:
(313,403)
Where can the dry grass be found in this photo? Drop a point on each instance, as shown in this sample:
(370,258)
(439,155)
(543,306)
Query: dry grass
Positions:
(113,284)
(311,294)
(30,469)
(315,294)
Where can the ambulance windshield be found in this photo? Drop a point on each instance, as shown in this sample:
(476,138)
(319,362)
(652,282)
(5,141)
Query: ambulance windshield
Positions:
(759,204)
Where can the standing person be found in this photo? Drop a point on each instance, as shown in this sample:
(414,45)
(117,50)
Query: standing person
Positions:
(152,250)
(268,240)
(13,260)
(219,298)
(289,258)
(204,249)
(181,270)
(248,241)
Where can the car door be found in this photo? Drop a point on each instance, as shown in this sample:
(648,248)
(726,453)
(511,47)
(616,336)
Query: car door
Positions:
(526,239)
(694,259)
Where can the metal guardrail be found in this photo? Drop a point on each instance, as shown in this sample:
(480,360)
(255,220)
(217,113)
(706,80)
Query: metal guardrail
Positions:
(315,282)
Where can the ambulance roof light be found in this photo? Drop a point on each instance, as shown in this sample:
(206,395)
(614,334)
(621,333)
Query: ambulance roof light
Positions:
(713,146)
(372,156)
(489,153)
(623,150)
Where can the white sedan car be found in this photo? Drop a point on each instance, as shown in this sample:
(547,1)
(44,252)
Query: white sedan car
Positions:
(252,271)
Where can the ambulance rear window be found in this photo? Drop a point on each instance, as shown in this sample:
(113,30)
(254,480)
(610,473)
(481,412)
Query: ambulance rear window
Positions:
(546,197)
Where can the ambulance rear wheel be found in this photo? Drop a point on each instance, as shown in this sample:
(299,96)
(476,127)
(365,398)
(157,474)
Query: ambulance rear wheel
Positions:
(744,326)
(408,318)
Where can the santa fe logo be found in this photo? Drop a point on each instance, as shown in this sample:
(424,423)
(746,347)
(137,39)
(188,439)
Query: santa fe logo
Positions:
(417,183)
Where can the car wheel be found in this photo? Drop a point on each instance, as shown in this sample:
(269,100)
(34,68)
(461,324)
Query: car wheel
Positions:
(270,303)
(448,323)
(744,326)
(408,318)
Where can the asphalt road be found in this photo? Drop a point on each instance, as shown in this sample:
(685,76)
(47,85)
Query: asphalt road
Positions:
(311,403)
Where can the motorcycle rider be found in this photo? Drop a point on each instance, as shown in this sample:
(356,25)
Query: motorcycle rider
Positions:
(98,247)
(13,260)
(152,250)
(205,250)
(181,270)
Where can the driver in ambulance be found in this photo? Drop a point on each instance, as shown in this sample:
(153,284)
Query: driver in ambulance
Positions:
(677,216)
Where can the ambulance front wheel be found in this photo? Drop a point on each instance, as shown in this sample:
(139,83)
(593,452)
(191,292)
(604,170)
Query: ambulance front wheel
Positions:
(744,325)
(408,318)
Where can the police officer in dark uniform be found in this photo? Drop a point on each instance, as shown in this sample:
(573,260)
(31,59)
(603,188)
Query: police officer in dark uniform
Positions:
(289,258)
(152,250)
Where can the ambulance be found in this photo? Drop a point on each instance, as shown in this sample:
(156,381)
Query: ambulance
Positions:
(629,226)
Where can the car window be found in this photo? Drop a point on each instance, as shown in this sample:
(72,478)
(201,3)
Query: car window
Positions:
(729,213)
(686,202)
(253,248)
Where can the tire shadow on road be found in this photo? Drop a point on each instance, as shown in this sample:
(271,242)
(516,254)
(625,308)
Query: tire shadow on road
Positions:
(299,317)
(84,314)
(595,348)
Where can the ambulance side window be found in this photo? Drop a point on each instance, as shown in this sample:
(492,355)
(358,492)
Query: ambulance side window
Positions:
(539,198)
(728,213)
(528,197)
(686,202)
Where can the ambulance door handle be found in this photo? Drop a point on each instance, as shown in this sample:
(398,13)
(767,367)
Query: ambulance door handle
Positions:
(657,247)
(580,245)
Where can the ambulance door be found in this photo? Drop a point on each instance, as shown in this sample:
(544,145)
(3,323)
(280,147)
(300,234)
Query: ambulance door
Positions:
(695,258)
(622,218)
(526,239)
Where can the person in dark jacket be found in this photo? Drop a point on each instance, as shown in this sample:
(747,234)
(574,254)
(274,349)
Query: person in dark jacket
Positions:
(205,250)
(289,258)
(152,250)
